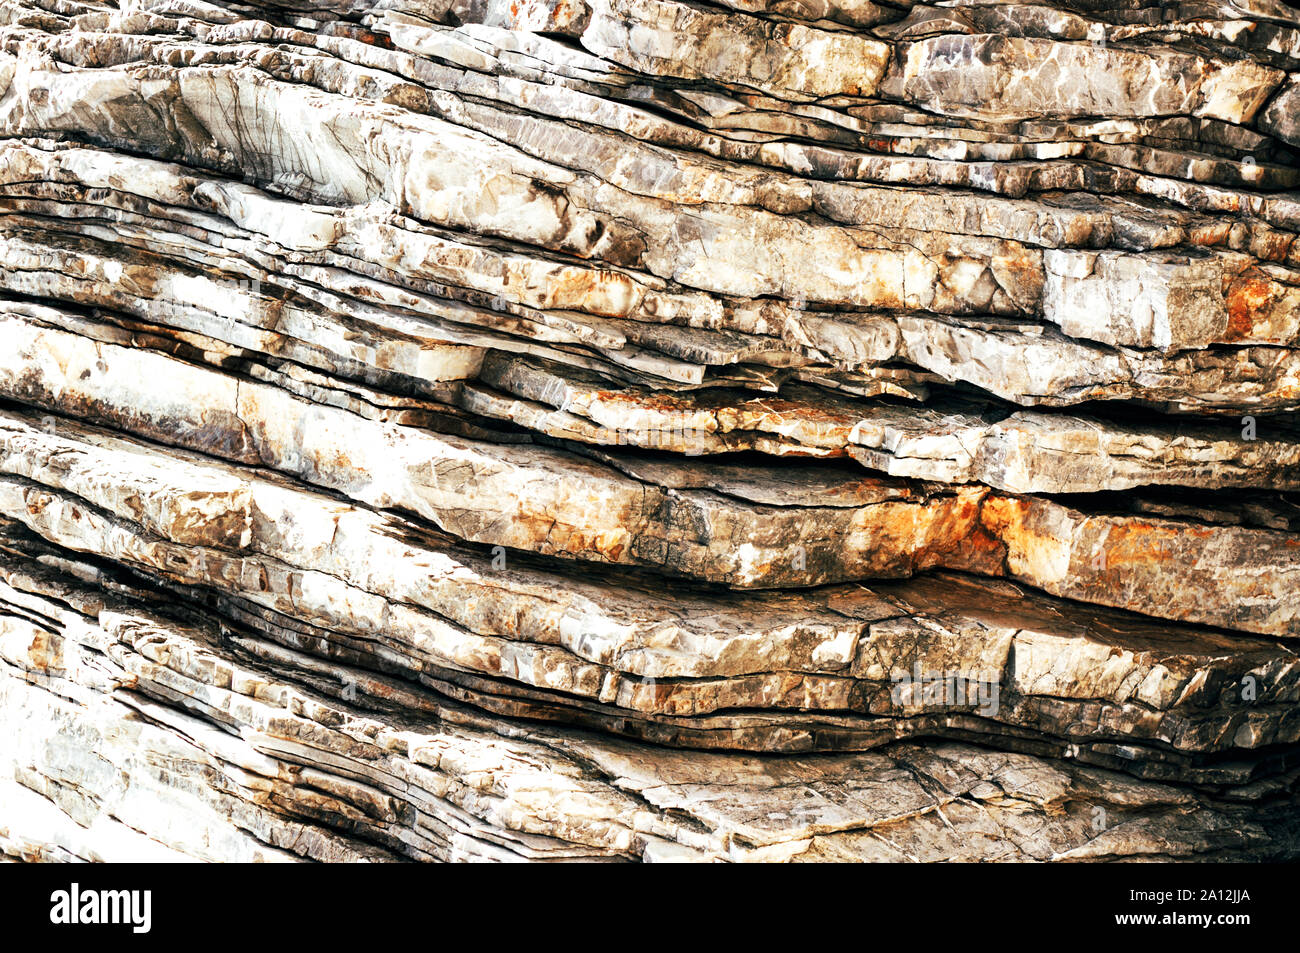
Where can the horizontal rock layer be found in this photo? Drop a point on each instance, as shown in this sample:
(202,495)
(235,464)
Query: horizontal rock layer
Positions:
(261,765)
(447,431)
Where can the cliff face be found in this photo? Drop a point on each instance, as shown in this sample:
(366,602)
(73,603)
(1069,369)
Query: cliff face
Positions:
(645,430)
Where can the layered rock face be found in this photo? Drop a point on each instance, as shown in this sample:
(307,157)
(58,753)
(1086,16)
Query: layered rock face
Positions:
(770,430)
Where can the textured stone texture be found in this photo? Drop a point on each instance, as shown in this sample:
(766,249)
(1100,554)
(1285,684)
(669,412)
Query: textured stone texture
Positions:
(643,430)
(260,767)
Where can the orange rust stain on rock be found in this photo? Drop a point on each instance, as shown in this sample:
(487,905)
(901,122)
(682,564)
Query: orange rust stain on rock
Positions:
(1009,526)
(660,402)
(1139,544)
(600,292)
(335,461)
(979,551)
(611,545)
(999,512)
(43,653)
(1024,267)
(1248,295)
(374,39)
(1215,234)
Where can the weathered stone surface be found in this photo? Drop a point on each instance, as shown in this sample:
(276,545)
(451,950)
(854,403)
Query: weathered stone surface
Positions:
(1282,118)
(1003,77)
(961,442)
(883,248)
(292,767)
(800,527)
(563,504)
(855,668)
(956,442)
(343,568)
(649,430)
